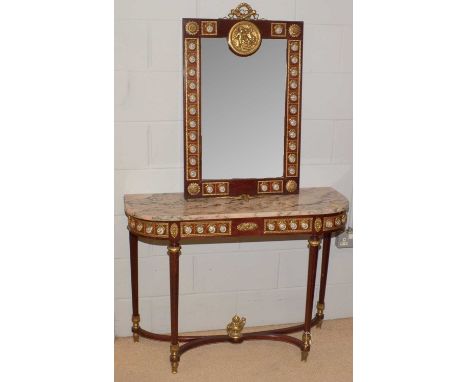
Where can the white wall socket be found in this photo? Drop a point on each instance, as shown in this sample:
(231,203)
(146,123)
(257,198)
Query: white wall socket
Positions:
(345,239)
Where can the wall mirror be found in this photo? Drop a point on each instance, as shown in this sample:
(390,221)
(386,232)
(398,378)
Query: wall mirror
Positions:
(242,105)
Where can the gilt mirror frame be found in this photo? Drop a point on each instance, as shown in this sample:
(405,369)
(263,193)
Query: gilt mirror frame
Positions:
(193,29)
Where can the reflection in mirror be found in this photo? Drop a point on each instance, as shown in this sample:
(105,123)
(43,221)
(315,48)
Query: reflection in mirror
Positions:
(242,110)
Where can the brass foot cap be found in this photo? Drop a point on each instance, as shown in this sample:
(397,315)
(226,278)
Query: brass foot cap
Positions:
(304,355)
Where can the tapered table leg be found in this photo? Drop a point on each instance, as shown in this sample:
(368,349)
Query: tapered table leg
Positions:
(134,278)
(173,250)
(314,243)
(323,277)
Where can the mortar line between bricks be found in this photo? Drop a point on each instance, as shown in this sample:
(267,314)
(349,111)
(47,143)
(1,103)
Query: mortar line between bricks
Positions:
(149,50)
(316,284)
(327,119)
(148,70)
(179,168)
(148,168)
(334,141)
(193,273)
(151,70)
(241,251)
(149,145)
(341,50)
(156,19)
(148,120)
(180,20)
(155,121)
(230,252)
(235,292)
(278,270)
(326,24)
(326,72)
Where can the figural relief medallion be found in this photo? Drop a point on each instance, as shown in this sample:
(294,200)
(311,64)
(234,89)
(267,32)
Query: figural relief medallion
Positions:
(244,38)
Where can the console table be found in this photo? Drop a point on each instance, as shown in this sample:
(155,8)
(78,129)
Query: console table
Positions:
(314,212)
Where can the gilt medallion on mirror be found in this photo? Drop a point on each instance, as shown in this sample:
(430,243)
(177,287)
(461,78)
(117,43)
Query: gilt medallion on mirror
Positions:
(242,105)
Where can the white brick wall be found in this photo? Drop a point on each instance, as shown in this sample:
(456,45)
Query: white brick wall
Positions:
(265,281)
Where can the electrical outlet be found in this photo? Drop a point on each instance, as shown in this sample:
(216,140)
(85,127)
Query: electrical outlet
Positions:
(345,239)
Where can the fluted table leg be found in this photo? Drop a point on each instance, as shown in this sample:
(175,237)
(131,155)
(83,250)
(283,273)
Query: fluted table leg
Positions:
(134,277)
(173,250)
(314,243)
(323,277)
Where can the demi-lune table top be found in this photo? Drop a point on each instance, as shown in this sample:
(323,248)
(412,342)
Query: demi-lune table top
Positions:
(173,207)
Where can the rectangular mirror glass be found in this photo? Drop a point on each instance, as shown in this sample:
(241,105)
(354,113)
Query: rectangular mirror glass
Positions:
(242,110)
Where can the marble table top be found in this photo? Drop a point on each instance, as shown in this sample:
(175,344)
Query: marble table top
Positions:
(173,206)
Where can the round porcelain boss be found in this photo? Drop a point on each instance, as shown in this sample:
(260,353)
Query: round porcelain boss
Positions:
(222,228)
(222,188)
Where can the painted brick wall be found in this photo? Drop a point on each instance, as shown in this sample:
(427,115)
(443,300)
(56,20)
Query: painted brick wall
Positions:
(265,281)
